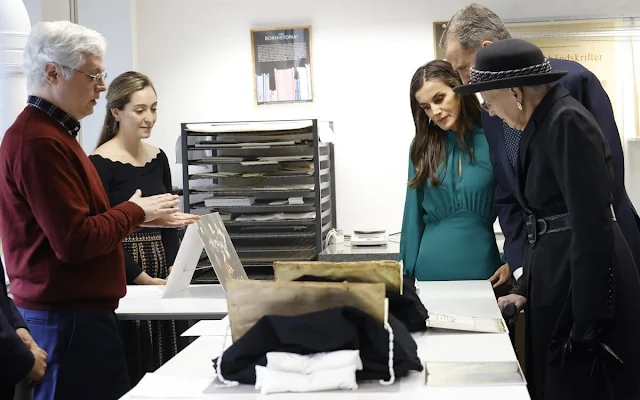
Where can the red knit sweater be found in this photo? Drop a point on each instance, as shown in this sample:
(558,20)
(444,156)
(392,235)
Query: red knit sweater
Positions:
(61,240)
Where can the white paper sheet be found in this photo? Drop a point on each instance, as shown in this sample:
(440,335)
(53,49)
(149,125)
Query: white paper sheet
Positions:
(144,291)
(153,386)
(464,323)
(208,328)
(185,263)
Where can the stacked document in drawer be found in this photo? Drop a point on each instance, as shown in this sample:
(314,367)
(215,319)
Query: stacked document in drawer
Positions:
(229,201)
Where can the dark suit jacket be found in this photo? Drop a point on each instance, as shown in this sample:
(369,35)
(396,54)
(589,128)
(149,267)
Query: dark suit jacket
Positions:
(586,88)
(15,359)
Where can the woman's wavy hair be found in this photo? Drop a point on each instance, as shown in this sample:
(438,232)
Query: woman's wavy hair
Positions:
(428,148)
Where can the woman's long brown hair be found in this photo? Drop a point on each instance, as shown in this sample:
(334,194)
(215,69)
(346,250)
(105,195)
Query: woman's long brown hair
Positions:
(428,148)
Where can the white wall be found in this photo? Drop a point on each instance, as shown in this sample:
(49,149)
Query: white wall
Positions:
(364,54)
(115,20)
(34,9)
(48,10)
(361,65)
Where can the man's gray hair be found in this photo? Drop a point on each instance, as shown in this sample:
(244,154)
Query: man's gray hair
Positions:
(60,42)
(473,25)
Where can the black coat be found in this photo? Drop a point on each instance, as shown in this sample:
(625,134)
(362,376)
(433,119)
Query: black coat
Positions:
(16,360)
(586,88)
(585,274)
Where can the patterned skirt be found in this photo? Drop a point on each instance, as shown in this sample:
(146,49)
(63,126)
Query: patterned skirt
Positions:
(148,344)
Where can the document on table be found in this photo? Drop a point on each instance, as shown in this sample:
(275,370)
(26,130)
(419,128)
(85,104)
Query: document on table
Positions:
(154,386)
(470,324)
(144,291)
(499,373)
(208,328)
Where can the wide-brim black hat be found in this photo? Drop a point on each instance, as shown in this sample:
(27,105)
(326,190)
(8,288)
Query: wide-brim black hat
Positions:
(509,63)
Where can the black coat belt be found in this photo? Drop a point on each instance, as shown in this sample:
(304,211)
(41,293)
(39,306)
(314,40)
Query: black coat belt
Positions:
(543,226)
(553,224)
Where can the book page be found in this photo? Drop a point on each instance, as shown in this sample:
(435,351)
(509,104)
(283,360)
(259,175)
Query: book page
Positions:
(462,323)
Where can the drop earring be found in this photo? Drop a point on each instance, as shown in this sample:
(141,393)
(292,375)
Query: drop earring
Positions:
(430,124)
(519,105)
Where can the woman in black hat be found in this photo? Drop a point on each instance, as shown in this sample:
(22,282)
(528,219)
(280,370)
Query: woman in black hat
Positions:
(581,287)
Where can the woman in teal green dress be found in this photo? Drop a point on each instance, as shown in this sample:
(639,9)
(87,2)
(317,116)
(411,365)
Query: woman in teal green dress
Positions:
(447,229)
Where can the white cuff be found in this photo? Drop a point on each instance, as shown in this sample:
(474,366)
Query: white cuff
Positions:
(517,274)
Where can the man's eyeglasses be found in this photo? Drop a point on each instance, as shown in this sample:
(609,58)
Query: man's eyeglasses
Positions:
(97,78)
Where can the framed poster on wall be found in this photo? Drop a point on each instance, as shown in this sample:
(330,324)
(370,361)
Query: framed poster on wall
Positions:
(282,65)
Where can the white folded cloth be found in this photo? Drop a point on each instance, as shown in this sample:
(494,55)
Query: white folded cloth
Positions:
(273,381)
(289,372)
(307,364)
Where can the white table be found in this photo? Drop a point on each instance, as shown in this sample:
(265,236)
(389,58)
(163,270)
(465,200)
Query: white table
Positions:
(465,298)
(196,302)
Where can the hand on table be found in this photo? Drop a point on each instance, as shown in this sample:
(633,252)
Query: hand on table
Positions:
(157,281)
(501,276)
(146,279)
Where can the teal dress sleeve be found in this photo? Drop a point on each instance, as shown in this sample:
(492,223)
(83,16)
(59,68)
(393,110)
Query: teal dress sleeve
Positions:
(412,226)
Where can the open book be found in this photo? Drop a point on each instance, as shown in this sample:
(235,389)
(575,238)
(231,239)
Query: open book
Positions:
(501,373)
(470,324)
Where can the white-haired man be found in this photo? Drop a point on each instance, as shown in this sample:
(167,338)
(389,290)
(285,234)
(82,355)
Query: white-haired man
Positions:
(62,242)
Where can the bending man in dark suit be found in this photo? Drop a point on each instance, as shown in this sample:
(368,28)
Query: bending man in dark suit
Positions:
(20,357)
(476,26)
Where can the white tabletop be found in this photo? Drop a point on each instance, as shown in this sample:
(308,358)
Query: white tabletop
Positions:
(196,302)
(465,298)
(196,361)
(208,301)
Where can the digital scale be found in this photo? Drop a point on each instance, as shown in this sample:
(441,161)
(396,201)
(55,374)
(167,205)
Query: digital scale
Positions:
(369,238)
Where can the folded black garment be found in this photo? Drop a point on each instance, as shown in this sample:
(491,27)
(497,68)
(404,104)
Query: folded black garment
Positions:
(341,328)
(406,307)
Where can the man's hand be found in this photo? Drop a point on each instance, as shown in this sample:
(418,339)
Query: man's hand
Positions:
(39,366)
(501,276)
(515,299)
(31,344)
(174,220)
(154,207)
(26,337)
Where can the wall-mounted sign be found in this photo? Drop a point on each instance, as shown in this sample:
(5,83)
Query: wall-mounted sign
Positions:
(282,65)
